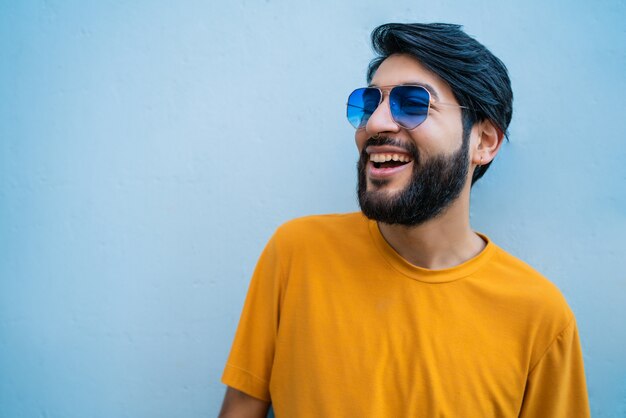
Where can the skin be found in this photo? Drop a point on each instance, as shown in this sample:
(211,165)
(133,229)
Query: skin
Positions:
(442,242)
(447,240)
(240,405)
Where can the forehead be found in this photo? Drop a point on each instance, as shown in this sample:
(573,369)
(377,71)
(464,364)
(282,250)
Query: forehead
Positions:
(404,69)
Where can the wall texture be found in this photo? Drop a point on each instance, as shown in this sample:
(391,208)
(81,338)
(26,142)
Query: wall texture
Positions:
(149,149)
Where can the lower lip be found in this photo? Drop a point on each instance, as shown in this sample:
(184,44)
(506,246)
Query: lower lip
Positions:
(386,172)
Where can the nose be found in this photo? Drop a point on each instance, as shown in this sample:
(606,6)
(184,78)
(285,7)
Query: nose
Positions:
(381,121)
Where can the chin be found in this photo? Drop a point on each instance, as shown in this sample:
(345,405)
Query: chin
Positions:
(386,187)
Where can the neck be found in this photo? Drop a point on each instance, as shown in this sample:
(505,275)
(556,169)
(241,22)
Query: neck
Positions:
(440,243)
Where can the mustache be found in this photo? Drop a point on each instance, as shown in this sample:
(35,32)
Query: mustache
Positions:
(386,140)
(409,147)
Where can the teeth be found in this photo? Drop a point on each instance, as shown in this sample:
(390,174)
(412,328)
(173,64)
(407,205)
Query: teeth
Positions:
(381,158)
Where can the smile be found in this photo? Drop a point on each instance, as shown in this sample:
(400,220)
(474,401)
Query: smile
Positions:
(383,165)
(384,160)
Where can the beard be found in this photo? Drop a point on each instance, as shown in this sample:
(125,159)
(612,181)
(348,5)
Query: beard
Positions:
(435,183)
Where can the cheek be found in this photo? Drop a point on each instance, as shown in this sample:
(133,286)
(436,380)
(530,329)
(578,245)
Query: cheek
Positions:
(437,138)
(453,131)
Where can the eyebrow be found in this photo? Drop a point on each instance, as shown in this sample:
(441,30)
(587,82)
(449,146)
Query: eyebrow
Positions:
(427,86)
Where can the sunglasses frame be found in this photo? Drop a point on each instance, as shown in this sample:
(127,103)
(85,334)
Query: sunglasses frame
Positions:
(389,89)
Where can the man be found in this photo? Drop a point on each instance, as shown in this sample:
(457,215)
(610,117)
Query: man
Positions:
(402,310)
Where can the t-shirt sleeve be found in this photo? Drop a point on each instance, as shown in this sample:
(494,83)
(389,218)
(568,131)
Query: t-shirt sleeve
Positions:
(556,385)
(249,364)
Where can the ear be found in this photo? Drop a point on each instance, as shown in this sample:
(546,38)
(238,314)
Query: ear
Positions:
(487,143)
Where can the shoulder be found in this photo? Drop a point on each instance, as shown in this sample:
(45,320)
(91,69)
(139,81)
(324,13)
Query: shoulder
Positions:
(522,277)
(533,303)
(321,235)
(321,226)
(536,299)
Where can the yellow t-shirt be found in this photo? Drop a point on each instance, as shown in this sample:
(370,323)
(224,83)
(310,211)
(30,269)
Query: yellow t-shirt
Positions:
(337,324)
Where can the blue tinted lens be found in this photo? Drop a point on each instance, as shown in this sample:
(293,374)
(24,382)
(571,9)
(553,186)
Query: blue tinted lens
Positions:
(409,105)
(361,104)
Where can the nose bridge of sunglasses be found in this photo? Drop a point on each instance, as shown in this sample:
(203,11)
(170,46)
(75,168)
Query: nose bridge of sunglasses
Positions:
(385,94)
(385,104)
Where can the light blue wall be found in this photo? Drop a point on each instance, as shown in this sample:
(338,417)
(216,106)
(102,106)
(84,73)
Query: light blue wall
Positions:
(149,149)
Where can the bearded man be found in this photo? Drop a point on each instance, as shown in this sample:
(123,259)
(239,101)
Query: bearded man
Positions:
(402,309)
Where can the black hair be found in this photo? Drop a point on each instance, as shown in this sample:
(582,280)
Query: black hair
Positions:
(478,79)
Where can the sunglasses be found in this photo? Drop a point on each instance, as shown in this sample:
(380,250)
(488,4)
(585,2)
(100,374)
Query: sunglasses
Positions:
(409,105)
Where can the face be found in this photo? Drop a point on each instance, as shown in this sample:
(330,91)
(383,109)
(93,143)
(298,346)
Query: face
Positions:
(431,161)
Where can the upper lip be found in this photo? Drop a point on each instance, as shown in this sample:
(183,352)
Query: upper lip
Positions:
(386,149)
